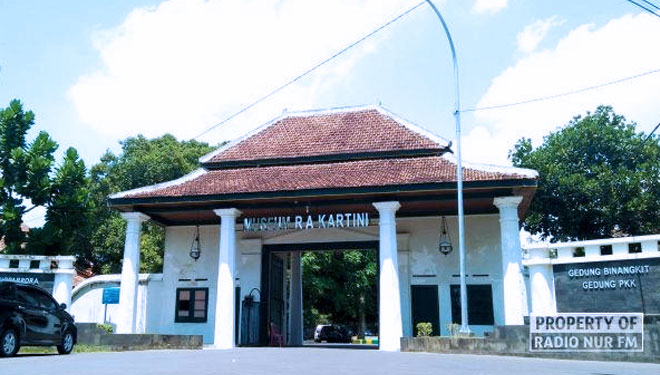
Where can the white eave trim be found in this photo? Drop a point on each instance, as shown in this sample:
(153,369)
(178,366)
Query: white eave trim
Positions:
(530,173)
(145,189)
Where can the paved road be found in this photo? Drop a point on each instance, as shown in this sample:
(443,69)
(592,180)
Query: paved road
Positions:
(298,361)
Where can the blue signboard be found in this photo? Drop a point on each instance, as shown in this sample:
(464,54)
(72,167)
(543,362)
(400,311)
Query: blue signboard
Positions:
(110,296)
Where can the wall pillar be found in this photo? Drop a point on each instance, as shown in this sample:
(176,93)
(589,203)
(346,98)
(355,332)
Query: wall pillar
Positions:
(390,324)
(224,305)
(63,283)
(130,270)
(541,281)
(296,296)
(515,299)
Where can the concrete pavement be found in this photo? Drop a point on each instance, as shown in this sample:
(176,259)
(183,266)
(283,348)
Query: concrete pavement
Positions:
(297,361)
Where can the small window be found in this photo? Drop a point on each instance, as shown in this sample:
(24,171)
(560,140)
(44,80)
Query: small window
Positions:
(606,250)
(34,264)
(480,304)
(578,252)
(13,263)
(191,305)
(634,248)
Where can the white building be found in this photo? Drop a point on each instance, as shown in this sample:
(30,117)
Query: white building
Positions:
(358,178)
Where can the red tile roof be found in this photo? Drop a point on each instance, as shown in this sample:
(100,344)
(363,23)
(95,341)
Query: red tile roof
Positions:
(351,174)
(364,130)
(299,137)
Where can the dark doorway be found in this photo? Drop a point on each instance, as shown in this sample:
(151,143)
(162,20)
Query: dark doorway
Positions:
(276,284)
(425,307)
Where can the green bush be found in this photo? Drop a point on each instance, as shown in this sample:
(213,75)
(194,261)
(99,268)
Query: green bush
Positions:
(424,329)
(108,328)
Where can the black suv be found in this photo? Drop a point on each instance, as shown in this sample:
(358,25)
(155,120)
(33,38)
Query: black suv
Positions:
(30,316)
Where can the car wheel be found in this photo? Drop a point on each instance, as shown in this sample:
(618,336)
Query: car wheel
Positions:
(67,343)
(9,343)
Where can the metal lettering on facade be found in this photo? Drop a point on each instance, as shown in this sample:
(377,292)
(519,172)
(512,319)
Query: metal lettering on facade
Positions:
(279,223)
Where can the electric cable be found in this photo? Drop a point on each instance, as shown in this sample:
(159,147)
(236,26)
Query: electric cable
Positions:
(278,89)
(651,4)
(651,133)
(643,7)
(561,94)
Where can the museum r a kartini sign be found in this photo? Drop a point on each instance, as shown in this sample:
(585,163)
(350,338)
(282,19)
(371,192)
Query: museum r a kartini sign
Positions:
(300,222)
(613,286)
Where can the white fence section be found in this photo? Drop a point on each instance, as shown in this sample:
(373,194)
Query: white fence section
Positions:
(33,269)
(540,258)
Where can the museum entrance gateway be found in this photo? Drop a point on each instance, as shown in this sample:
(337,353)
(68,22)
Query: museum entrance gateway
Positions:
(280,310)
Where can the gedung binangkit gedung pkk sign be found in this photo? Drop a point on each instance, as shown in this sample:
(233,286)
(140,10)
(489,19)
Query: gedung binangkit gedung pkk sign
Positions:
(611,286)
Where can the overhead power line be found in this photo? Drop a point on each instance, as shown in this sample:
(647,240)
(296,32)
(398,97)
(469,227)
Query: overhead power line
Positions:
(651,133)
(278,89)
(645,8)
(651,4)
(562,94)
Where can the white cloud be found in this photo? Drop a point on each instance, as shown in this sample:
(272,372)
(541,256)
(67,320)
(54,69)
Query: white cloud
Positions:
(532,35)
(587,56)
(36,218)
(489,6)
(186,64)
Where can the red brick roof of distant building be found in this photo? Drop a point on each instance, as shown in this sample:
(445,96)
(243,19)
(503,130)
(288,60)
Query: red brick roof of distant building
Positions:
(24,228)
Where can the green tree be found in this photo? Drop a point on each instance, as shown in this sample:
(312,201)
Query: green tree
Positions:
(67,230)
(598,177)
(25,171)
(340,287)
(142,162)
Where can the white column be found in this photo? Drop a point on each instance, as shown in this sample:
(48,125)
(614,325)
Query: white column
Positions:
(515,298)
(130,270)
(390,325)
(296,307)
(224,304)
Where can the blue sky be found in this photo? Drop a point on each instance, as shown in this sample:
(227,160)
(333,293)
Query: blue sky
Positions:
(96,72)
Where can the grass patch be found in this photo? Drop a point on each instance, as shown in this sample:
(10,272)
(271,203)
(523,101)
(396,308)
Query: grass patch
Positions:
(53,350)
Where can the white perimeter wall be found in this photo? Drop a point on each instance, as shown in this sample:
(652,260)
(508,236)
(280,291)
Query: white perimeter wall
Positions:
(87,306)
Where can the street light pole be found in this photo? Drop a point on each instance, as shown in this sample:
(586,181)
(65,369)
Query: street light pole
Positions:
(459,177)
